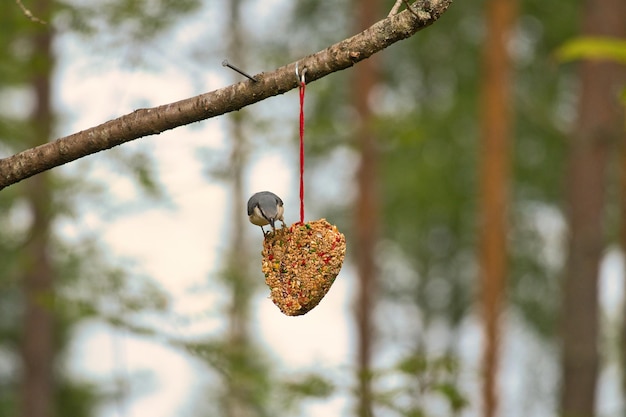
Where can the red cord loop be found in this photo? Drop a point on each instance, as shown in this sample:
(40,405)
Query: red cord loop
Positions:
(302,89)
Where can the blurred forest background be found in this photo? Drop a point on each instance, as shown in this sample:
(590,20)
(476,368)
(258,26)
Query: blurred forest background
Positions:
(478,170)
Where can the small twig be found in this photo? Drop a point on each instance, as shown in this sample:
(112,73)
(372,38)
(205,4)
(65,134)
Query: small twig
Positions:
(225,63)
(29,14)
(409,8)
(395,8)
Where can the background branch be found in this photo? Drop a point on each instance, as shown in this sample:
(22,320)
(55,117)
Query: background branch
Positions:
(28,13)
(150,121)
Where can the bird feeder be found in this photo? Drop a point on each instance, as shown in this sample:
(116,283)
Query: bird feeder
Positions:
(301,263)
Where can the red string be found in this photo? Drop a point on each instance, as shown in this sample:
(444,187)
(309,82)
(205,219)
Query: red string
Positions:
(302,88)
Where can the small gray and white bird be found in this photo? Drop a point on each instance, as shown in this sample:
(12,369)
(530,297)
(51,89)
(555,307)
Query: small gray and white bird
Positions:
(265,208)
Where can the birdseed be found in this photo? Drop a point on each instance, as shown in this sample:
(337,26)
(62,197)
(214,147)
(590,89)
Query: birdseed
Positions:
(301,263)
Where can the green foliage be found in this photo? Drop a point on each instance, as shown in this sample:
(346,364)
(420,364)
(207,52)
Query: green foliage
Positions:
(136,20)
(594,48)
(79,397)
(418,381)
(242,367)
(297,388)
(100,290)
(588,47)
(139,166)
(308,386)
(252,379)
(8,406)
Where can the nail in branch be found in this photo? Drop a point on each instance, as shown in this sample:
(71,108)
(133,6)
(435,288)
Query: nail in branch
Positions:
(225,63)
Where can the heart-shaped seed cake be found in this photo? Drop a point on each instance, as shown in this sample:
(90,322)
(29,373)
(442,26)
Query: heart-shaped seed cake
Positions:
(301,263)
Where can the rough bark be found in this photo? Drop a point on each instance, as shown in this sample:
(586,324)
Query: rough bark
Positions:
(366,214)
(145,122)
(594,139)
(496,120)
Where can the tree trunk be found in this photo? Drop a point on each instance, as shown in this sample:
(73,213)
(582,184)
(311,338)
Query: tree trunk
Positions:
(622,348)
(37,347)
(622,238)
(495,169)
(367,213)
(596,135)
(238,313)
(237,400)
(37,344)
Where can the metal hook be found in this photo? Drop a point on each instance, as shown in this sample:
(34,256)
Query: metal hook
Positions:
(301,78)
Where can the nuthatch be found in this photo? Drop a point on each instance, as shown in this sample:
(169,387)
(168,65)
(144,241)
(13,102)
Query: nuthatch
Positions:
(265,208)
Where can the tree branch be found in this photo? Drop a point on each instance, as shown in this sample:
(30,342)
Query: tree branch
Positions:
(28,13)
(151,121)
